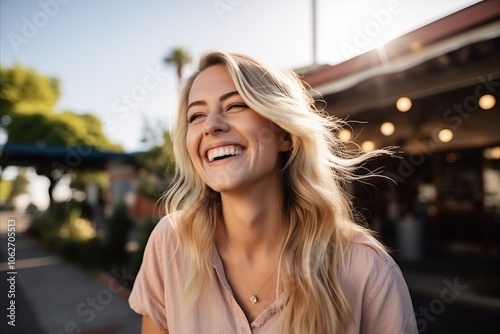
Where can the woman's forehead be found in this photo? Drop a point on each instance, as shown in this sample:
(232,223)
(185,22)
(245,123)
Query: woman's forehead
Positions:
(214,79)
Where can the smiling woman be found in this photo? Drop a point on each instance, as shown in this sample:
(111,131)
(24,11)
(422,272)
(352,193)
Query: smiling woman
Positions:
(224,137)
(260,235)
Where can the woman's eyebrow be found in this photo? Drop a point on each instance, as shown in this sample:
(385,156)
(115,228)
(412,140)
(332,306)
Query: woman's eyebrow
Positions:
(221,99)
(196,103)
(228,95)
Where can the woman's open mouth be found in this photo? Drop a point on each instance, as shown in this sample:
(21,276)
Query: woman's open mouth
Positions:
(224,152)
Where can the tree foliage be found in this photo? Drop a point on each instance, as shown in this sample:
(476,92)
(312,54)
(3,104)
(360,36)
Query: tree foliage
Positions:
(28,98)
(27,101)
(66,128)
(159,168)
(26,91)
(179,57)
(5,190)
(159,160)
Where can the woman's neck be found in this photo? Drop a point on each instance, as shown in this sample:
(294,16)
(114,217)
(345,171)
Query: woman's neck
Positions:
(252,224)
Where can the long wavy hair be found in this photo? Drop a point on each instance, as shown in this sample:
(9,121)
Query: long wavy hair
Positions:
(316,208)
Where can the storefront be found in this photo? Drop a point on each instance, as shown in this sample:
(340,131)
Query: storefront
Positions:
(434,94)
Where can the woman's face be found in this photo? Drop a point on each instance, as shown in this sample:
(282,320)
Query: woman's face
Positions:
(231,146)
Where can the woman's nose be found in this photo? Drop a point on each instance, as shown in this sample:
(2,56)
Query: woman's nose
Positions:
(214,123)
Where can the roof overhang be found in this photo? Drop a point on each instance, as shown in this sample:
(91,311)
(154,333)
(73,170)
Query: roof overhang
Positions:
(65,158)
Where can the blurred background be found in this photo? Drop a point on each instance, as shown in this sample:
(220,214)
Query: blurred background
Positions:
(87,102)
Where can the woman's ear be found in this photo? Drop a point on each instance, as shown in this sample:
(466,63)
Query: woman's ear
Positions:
(285,142)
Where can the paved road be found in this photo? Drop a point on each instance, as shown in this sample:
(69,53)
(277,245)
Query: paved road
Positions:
(26,319)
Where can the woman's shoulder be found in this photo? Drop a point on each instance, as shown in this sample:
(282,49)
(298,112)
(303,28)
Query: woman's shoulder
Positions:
(366,257)
(166,225)
(376,288)
(165,231)
(367,270)
(164,248)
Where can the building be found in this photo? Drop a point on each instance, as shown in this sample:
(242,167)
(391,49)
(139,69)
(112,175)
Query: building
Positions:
(433,93)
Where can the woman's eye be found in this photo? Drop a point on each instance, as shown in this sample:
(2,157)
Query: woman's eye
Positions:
(236,107)
(193,117)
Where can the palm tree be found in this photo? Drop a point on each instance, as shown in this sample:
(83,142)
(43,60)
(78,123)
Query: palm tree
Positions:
(180,57)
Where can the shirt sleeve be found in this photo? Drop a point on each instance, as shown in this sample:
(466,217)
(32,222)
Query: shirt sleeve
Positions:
(148,293)
(387,306)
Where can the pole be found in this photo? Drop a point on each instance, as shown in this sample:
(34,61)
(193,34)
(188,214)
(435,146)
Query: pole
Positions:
(314,56)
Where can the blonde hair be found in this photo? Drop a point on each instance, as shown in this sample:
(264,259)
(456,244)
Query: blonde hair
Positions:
(316,207)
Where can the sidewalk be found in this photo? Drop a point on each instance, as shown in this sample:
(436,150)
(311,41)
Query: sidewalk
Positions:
(52,296)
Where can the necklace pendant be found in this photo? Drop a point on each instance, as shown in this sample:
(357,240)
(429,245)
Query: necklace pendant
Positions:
(254,299)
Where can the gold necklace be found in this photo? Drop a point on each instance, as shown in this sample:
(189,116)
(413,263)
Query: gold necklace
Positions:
(253,298)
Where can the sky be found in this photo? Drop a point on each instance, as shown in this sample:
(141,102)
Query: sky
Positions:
(108,54)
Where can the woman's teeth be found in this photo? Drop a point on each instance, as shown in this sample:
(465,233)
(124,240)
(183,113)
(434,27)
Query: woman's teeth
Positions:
(221,152)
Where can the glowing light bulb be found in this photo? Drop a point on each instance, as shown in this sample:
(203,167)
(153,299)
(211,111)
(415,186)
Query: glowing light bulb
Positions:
(368,146)
(403,104)
(487,101)
(387,128)
(345,134)
(445,135)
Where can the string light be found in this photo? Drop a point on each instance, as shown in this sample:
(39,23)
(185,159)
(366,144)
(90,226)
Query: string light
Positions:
(345,135)
(445,135)
(387,128)
(368,146)
(487,101)
(403,104)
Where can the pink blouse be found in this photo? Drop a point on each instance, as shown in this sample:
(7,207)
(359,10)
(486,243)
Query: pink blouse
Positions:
(373,284)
